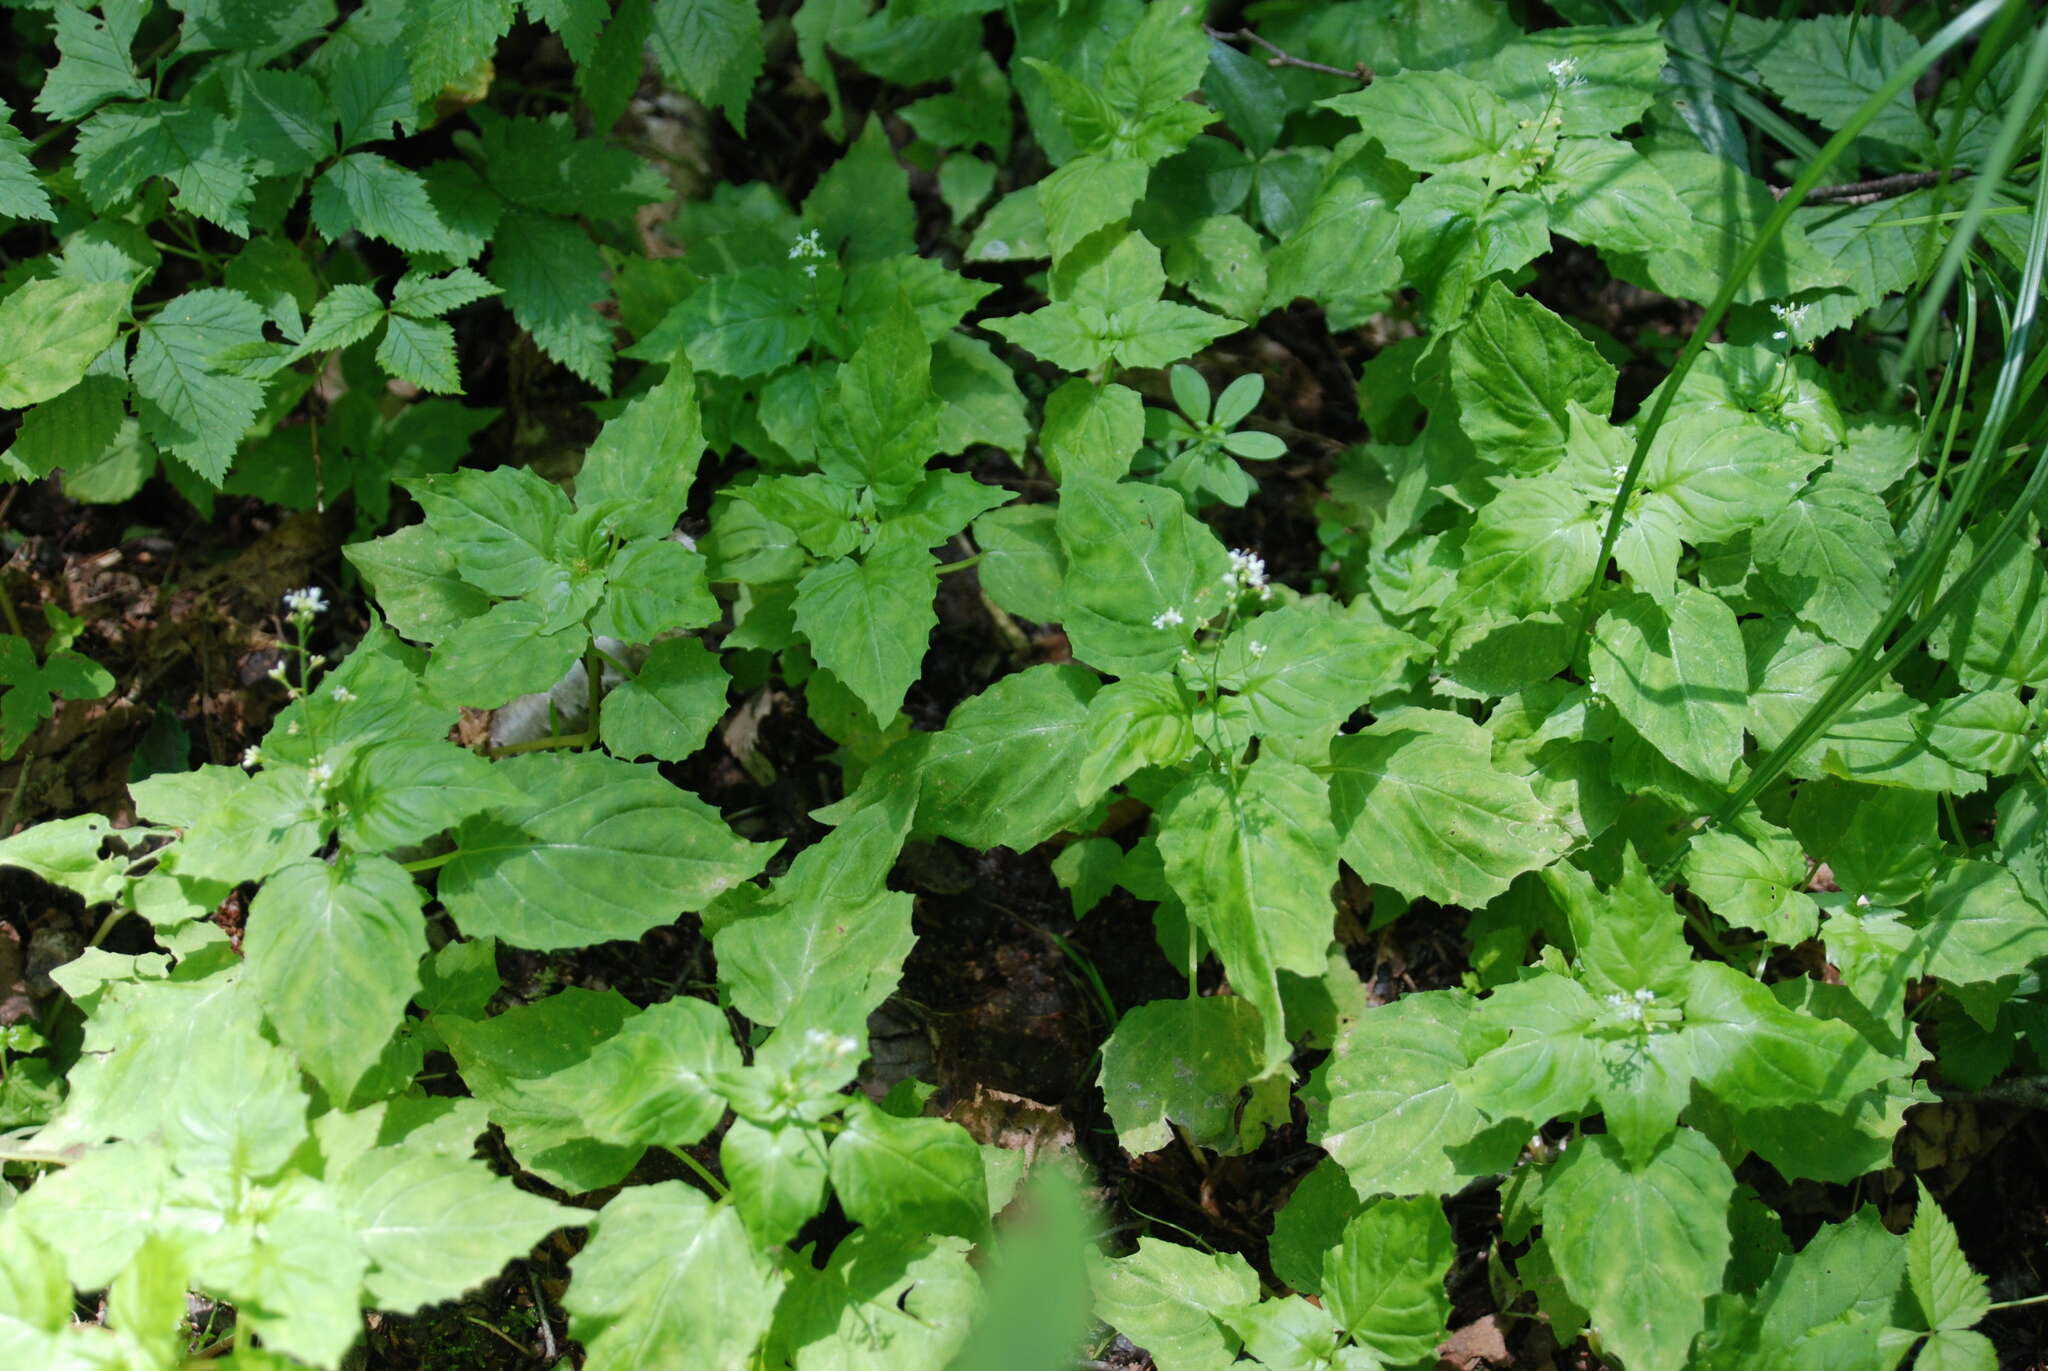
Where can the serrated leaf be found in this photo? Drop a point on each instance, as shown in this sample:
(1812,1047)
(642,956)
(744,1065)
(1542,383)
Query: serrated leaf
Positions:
(375,196)
(347,314)
(1606,1224)
(646,457)
(669,707)
(283,119)
(50,332)
(1827,67)
(1420,806)
(122,147)
(416,583)
(1949,1293)
(1133,553)
(596,850)
(553,277)
(447,39)
(1828,554)
(1304,669)
(868,621)
(1531,1052)
(93,65)
(434,1226)
(425,297)
(1384,1282)
(371,89)
(712,49)
(1432,120)
(669,1282)
(333,954)
(652,1081)
(512,649)
(422,353)
(21,195)
(1165,1298)
(1186,1063)
(1252,855)
(1603,192)
(498,525)
(1515,368)
(884,426)
(403,792)
(1003,772)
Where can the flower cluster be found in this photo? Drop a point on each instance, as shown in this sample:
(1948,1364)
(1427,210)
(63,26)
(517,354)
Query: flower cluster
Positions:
(807,245)
(1790,317)
(1634,1007)
(1565,71)
(304,604)
(1168,618)
(1247,572)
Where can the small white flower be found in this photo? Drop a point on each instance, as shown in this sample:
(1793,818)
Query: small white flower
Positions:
(320,773)
(343,695)
(811,270)
(307,602)
(1565,71)
(252,757)
(1645,994)
(1256,648)
(1630,1007)
(1168,618)
(807,245)
(1863,902)
(1247,571)
(276,673)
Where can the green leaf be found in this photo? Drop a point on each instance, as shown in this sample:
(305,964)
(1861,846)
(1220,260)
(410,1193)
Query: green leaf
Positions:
(66,852)
(1133,553)
(1828,553)
(122,147)
(1515,368)
(1384,1283)
(778,1176)
(21,195)
(1534,545)
(1606,1224)
(192,411)
(402,792)
(1022,567)
(32,688)
(499,525)
(422,353)
(1165,1298)
(1252,855)
(1728,208)
(371,88)
(93,65)
(597,850)
(868,621)
(1754,1053)
(505,652)
(505,1060)
(712,49)
(1753,876)
(651,1082)
(1188,1062)
(50,332)
(1396,1122)
(333,954)
(424,296)
(283,118)
(553,277)
(646,458)
(1004,771)
(1421,807)
(1828,67)
(264,825)
(1532,1055)
(669,1282)
(1303,669)
(347,314)
(908,1175)
(435,1226)
(1091,431)
(652,587)
(1432,120)
(1343,254)
(883,1300)
(1606,194)
(375,196)
(447,40)
(745,323)
(1978,925)
(669,707)
(1678,676)
(1949,1293)
(1311,1223)
(885,424)
(416,584)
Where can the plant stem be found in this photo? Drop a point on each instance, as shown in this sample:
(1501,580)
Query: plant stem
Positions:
(718,1187)
(1282,58)
(583,739)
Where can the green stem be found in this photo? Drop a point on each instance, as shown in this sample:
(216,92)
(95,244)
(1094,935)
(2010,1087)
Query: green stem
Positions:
(430,863)
(965,562)
(718,1187)
(583,739)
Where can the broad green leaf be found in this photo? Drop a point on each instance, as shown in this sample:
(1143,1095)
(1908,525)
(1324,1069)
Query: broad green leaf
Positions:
(263,826)
(778,1176)
(371,88)
(1420,806)
(1091,431)
(1978,925)
(980,394)
(1626,938)
(34,687)
(1384,1283)
(868,621)
(1878,841)
(403,792)
(553,277)
(1187,1063)
(652,587)
(21,195)
(597,849)
(96,1213)
(416,583)
(1607,1224)
(1592,80)
(191,410)
(1343,252)
(1396,1123)
(50,332)
(436,1226)
(1165,1298)
(1827,67)
(66,852)
(884,426)
(1986,730)
(505,652)
(293,1276)
(908,1175)
(93,65)
(651,1082)
(1432,120)
(884,1300)
(1456,230)
(1304,669)
(1728,207)
(1678,675)
(1828,553)
(333,955)
(283,118)
(862,203)
(1531,1053)
(505,1059)
(498,525)
(347,314)
(1252,855)
(71,430)
(669,1282)
(1515,368)
(235,1108)
(1532,546)
(1136,722)
(1134,556)
(1606,194)
(647,457)
(669,707)
(1311,1223)
(1986,636)
(447,40)
(1754,1053)
(1003,772)
(1089,193)
(1221,263)
(1752,874)
(745,323)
